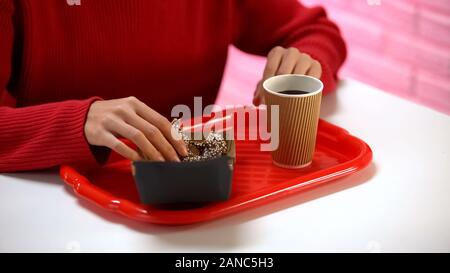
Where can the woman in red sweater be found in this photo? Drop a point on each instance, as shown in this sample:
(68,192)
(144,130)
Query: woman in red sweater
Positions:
(69,67)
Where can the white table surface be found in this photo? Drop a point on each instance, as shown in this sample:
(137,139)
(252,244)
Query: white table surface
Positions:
(399,203)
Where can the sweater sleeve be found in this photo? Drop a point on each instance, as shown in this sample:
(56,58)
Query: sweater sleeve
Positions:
(264,24)
(41,136)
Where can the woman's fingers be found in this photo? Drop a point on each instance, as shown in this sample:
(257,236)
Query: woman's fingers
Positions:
(110,141)
(163,125)
(137,137)
(155,136)
(258,97)
(315,70)
(281,61)
(275,59)
(177,142)
(288,61)
(132,119)
(304,62)
(273,62)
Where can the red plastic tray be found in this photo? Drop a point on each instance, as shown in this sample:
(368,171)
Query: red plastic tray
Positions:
(256,180)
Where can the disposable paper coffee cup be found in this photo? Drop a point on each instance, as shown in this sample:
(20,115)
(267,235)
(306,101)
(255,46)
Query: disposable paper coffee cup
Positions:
(298,118)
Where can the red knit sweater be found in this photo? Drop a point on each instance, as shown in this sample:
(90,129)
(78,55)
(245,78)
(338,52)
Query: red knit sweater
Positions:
(56,58)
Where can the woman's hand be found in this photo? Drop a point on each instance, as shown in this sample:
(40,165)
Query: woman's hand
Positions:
(287,61)
(132,119)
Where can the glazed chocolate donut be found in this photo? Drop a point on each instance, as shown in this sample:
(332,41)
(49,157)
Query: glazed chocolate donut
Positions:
(211,147)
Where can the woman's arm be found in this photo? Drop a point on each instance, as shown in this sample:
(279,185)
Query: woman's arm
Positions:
(40,136)
(48,135)
(264,24)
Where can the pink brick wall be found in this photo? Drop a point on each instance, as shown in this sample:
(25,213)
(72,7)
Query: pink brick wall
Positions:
(400,46)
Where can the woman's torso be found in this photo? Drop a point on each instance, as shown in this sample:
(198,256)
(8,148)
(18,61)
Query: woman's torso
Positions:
(163,52)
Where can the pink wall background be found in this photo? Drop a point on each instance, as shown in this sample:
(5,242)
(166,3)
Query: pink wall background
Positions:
(399,46)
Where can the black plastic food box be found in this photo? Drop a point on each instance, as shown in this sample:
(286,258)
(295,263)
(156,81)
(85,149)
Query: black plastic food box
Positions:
(160,183)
